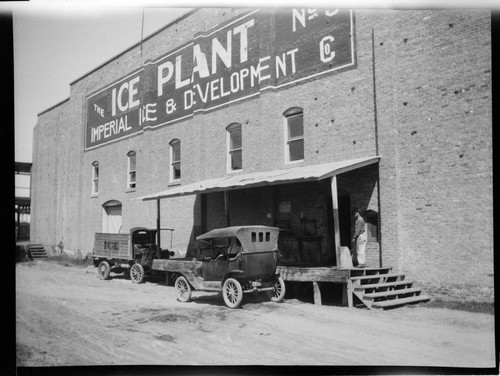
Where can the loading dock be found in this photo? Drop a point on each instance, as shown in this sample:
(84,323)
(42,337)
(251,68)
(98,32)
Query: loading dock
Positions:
(329,269)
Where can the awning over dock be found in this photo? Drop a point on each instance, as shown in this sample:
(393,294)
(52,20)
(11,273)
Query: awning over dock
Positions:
(300,174)
(257,179)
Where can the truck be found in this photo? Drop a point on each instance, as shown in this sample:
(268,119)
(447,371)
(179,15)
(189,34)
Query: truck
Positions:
(234,261)
(131,253)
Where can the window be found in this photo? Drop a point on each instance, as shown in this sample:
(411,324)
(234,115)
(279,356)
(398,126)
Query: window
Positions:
(371,226)
(95,178)
(131,170)
(234,135)
(294,120)
(175,160)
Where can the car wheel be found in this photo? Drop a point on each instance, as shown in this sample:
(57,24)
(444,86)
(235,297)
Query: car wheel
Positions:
(182,289)
(103,270)
(232,293)
(137,273)
(279,290)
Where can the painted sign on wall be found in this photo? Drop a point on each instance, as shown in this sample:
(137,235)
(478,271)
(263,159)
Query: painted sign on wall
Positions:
(262,50)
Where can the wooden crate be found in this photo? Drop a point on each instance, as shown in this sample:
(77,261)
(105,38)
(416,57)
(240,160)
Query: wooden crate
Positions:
(112,246)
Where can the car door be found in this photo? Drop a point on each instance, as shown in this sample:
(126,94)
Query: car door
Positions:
(216,268)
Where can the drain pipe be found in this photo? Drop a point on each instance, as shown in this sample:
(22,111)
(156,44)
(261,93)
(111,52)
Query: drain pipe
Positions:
(375,118)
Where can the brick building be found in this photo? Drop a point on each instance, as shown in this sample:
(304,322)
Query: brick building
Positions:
(389,111)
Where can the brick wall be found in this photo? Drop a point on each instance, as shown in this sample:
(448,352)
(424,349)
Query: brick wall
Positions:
(433,75)
(421,87)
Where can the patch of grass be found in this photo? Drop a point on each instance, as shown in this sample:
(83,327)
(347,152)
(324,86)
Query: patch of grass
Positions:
(469,306)
(69,261)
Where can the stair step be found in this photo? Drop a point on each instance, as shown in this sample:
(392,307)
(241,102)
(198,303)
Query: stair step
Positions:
(356,272)
(377,276)
(384,294)
(37,251)
(393,303)
(382,285)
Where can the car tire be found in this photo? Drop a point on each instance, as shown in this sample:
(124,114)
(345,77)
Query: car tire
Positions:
(182,289)
(104,270)
(232,293)
(279,290)
(137,273)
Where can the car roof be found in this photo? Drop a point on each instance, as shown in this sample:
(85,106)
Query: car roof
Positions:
(231,231)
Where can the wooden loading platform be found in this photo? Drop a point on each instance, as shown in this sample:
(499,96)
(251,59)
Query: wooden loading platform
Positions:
(362,287)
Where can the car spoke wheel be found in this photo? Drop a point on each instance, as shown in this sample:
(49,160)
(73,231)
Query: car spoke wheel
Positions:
(103,270)
(232,293)
(279,290)
(182,289)
(137,273)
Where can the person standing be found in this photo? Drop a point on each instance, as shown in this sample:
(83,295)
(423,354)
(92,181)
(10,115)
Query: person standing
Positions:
(359,239)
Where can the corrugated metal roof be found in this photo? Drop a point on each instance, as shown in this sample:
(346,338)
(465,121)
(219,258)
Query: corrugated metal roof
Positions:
(256,179)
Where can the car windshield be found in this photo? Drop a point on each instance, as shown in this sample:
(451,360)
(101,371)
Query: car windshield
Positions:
(221,242)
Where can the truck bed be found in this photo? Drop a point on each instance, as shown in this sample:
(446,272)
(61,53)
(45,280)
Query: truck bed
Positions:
(112,246)
(176,264)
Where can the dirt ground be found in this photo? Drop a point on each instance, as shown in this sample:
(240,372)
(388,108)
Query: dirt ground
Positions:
(66,316)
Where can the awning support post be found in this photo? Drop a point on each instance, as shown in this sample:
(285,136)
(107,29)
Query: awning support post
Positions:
(158,223)
(336,227)
(226,207)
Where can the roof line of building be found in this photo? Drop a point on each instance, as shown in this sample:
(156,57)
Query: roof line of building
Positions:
(52,107)
(134,45)
(117,55)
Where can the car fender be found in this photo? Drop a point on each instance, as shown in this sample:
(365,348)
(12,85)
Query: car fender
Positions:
(191,278)
(232,274)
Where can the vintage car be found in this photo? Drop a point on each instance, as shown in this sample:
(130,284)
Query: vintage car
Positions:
(234,261)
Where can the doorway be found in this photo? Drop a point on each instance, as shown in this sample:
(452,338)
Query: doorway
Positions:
(344,204)
(112,217)
(345,220)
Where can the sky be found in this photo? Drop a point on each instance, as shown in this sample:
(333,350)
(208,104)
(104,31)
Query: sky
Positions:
(54,47)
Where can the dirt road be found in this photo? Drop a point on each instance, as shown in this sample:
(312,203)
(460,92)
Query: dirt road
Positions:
(67,316)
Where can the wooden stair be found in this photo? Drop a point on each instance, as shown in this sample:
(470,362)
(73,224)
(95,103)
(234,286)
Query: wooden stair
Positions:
(37,251)
(380,288)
